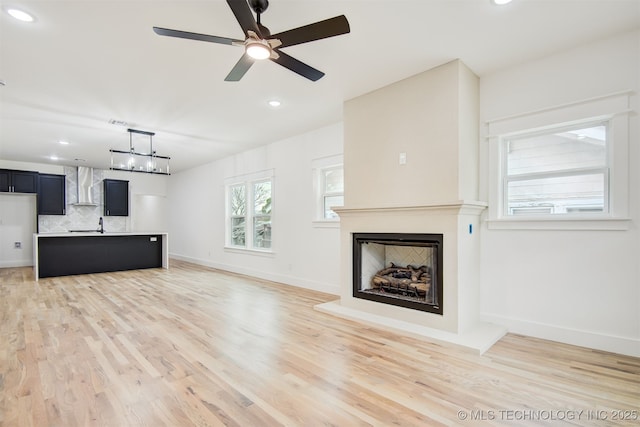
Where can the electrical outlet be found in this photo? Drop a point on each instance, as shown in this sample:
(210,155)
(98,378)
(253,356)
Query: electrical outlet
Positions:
(17,245)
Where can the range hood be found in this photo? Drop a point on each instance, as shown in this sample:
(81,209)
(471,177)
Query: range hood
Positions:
(85,187)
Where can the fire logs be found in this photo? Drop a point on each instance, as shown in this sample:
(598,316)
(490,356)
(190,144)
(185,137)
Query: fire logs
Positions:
(409,280)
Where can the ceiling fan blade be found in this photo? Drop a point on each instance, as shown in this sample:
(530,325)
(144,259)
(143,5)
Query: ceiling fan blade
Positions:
(239,70)
(194,36)
(297,67)
(241,10)
(319,30)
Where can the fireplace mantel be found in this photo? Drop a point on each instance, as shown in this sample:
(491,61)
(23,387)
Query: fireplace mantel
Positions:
(456,207)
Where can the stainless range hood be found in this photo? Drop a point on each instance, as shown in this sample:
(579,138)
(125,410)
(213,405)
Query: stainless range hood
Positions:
(85,187)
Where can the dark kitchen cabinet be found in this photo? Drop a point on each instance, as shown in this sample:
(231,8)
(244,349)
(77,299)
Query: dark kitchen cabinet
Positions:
(116,197)
(14,181)
(5,180)
(51,194)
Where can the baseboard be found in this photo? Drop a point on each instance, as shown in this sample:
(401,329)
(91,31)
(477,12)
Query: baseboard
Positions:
(17,263)
(610,343)
(328,288)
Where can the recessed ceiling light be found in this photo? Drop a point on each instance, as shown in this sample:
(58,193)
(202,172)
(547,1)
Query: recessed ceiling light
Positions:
(63,142)
(20,15)
(500,2)
(274,103)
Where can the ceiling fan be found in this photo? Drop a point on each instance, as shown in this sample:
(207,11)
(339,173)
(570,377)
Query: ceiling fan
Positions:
(261,44)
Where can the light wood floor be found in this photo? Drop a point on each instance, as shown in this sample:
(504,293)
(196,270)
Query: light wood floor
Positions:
(195,346)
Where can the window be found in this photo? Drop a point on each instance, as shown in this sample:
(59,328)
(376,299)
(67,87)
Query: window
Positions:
(332,191)
(249,205)
(561,168)
(262,214)
(328,187)
(557,172)
(238,214)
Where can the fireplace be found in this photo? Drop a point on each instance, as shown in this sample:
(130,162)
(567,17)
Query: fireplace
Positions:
(433,189)
(401,269)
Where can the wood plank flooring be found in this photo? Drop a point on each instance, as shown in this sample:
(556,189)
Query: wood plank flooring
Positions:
(192,346)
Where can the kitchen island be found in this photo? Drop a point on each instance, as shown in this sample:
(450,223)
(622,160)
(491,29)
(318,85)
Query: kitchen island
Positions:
(65,254)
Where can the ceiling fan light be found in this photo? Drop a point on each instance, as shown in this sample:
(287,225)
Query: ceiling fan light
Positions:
(258,50)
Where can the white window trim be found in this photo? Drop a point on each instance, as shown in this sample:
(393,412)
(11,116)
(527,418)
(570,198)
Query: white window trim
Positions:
(319,165)
(614,109)
(248,180)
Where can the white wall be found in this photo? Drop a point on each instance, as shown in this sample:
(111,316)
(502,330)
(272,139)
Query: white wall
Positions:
(430,117)
(17,224)
(304,255)
(18,219)
(34,167)
(579,287)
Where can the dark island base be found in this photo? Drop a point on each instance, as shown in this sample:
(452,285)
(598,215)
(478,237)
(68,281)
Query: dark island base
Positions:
(65,256)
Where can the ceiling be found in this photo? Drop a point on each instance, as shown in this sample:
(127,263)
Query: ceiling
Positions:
(84,63)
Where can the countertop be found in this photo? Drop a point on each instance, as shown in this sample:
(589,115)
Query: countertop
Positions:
(95,233)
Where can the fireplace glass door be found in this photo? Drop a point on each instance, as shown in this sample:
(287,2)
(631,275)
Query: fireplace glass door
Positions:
(403,269)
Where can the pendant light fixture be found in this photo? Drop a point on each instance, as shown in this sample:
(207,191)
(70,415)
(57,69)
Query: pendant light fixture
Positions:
(134,161)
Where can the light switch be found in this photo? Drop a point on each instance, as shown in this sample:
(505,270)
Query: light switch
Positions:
(402,159)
